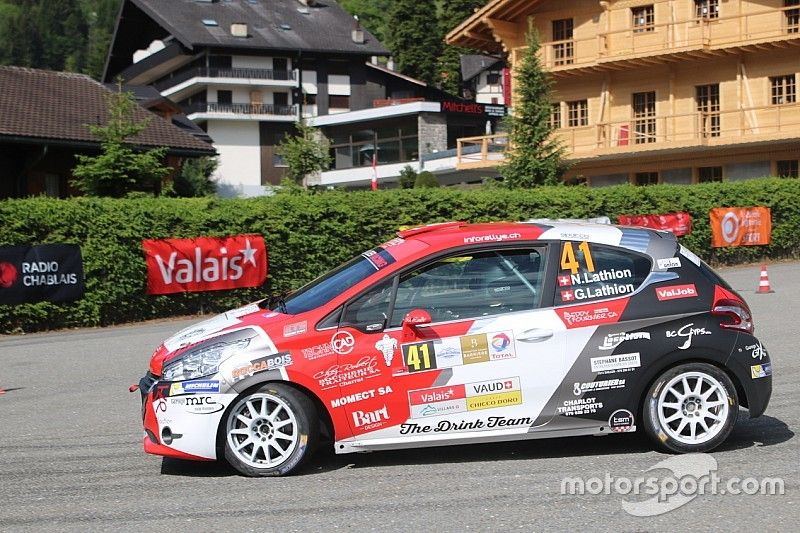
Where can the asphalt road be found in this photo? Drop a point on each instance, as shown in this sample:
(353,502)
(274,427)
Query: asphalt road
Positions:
(71,458)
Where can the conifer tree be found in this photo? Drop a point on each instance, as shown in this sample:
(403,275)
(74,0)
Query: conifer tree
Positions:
(535,157)
(414,37)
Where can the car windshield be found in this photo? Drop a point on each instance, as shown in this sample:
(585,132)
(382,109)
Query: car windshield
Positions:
(328,286)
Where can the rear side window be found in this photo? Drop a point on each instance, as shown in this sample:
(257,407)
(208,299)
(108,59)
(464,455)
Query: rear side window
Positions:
(589,272)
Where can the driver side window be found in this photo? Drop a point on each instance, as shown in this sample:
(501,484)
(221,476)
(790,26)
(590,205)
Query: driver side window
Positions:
(472,285)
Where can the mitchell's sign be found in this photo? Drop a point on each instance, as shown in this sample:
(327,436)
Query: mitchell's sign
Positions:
(205,263)
(473,108)
(44,273)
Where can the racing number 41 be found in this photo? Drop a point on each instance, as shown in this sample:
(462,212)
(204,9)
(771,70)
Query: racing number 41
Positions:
(568,260)
(419,356)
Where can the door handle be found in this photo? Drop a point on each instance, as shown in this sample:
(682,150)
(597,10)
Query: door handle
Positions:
(535,335)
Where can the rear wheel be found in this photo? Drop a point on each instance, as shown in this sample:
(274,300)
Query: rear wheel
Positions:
(690,408)
(270,431)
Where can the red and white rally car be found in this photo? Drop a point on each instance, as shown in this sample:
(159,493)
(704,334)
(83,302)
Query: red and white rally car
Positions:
(456,333)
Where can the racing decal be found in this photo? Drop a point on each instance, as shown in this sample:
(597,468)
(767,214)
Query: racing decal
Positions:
(387,345)
(669,262)
(290,330)
(361,396)
(568,260)
(612,340)
(761,371)
(465,397)
(687,332)
(600,234)
(318,351)
(262,364)
(621,421)
(757,351)
(579,407)
(342,342)
(370,420)
(492,237)
(594,386)
(449,352)
(379,258)
(347,374)
(445,426)
(615,363)
(196,404)
(578,316)
(674,292)
(193,387)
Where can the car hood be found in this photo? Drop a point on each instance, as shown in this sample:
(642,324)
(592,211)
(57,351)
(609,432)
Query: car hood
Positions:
(249,315)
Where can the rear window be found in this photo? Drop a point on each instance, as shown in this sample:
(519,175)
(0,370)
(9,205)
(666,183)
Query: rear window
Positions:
(589,272)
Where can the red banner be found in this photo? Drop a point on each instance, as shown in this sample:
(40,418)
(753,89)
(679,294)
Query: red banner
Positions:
(740,226)
(507,86)
(205,263)
(679,223)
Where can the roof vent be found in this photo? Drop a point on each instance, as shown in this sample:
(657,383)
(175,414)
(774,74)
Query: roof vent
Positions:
(310,3)
(239,29)
(357,34)
(286,27)
(210,22)
(303,10)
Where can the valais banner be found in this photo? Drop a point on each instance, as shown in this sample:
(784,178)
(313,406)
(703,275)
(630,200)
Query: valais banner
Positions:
(205,263)
(43,273)
(740,226)
(679,223)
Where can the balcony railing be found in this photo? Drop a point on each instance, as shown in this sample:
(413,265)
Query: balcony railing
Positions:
(765,123)
(241,109)
(240,73)
(672,37)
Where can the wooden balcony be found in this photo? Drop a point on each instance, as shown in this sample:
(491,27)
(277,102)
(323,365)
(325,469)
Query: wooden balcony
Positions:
(778,27)
(755,124)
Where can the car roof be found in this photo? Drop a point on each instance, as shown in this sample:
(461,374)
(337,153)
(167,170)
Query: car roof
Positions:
(449,234)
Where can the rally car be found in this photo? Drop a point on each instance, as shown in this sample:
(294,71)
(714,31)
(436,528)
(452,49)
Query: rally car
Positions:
(461,333)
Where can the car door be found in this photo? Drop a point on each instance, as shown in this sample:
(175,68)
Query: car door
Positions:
(466,343)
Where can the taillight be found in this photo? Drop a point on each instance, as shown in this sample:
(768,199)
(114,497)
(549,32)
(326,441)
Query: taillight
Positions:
(737,315)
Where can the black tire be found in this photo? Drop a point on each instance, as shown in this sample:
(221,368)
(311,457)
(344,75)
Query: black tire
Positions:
(280,435)
(671,428)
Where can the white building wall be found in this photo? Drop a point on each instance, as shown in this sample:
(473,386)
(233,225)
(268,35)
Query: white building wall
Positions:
(238,144)
(484,93)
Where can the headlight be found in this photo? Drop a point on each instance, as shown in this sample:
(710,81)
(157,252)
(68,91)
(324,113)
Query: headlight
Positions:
(203,360)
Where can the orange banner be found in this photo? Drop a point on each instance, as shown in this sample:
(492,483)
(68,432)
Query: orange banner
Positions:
(740,226)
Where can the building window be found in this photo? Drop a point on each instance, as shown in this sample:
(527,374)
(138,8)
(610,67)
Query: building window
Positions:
(555,116)
(644,117)
(792,16)
(277,160)
(709,174)
(337,101)
(788,168)
(224,97)
(784,89)
(396,142)
(577,113)
(645,178)
(707,98)
(493,78)
(563,52)
(643,18)
(706,9)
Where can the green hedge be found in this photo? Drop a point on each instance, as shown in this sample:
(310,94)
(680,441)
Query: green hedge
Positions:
(308,234)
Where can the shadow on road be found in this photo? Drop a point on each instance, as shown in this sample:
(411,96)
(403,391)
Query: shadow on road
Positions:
(759,432)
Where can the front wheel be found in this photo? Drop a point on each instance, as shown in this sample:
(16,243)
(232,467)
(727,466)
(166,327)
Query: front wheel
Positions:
(690,408)
(270,431)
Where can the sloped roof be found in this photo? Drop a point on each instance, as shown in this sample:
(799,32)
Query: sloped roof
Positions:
(57,106)
(474,64)
(322,26)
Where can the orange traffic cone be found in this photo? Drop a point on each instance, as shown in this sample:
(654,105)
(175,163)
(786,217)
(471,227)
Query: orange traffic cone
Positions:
(763,283)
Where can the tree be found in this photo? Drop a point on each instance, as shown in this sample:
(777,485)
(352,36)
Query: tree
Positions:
(414,37)
(305,153)
(536,157)
(195,178)
(407,177)
(453,13)
(119,169)
(426,180)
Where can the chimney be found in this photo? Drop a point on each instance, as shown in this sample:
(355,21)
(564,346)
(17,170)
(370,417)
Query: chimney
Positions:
(239,29)
(357,34)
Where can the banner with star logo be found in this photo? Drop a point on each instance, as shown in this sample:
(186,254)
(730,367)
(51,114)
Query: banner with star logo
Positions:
(205,263)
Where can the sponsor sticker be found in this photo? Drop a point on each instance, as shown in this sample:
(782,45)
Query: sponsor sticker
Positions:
(370,420)
(360,396)
(621,421)
(757,351)
(761,371)
(342,342)
(318,351)
(475,348)
(592,314)
(675,292)
(262,364)
(191,387)
(669,262)
(198,405)
(299,328)
(611,363)
(494,237)
(346,374)
(444,426)
(387,345)
(579,407)
(612,340)
(595,386)
(465,397)
(687,332)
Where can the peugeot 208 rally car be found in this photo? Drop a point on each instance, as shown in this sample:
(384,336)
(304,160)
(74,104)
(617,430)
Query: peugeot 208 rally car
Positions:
(456,333)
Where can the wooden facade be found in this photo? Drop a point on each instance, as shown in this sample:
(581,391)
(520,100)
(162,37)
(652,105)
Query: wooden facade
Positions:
(675,91)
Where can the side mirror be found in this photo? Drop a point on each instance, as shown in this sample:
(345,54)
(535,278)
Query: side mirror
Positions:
(414,318)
